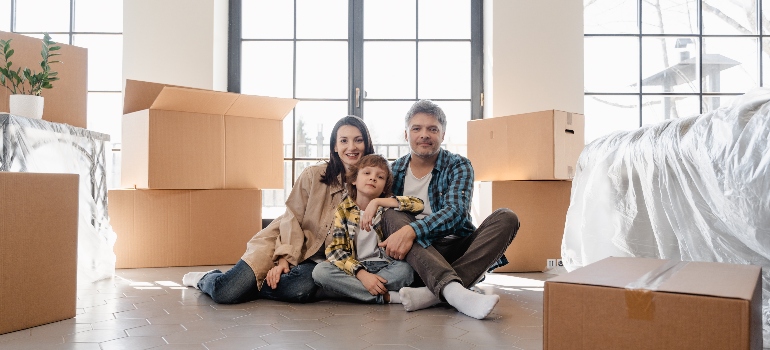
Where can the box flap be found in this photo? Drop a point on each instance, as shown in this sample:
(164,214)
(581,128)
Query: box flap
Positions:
(139,95)
(262,107)
(193,100)
(699,278)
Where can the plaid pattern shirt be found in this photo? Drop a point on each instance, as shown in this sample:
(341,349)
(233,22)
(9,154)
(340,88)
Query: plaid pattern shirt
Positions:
(342,250)
(450,192)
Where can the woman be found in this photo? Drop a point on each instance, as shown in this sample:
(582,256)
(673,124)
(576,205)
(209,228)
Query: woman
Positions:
(279,260)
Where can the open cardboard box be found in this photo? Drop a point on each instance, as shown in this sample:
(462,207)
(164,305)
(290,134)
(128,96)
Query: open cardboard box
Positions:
(184,138)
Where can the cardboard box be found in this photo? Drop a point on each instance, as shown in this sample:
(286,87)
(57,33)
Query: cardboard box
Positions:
(534,146)
(184,138)
(542,209)
(66,101)
(38,249)
(696,305)
(161,228)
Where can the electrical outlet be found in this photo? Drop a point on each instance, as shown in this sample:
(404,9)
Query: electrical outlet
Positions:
(550,263)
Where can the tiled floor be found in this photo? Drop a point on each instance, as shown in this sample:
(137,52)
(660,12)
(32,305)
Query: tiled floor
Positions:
(148,309)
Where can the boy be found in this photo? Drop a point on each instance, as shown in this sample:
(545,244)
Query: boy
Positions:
(356,267)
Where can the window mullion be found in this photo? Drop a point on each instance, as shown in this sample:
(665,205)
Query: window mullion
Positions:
(356,58)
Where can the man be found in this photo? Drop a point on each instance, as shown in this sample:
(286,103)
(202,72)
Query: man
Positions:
(451,255)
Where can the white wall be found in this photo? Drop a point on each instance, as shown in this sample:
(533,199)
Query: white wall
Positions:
(179,42)
(533,56)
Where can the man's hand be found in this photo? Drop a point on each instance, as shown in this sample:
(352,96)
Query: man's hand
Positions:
(274,275)
(399,243)
(375,284)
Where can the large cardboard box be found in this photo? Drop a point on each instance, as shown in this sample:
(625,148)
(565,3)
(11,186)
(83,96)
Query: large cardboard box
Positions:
(542,209)
(184,138)
(161,228)
(534,146)
(66,101)
(38,249)
(637,303)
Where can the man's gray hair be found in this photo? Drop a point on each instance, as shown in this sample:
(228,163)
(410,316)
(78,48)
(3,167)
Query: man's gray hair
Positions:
(427,107)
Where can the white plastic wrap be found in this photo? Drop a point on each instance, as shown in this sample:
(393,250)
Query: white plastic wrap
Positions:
(691,189)
(31,145)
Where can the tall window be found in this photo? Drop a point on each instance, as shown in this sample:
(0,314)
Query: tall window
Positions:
(96,25)
(651,60)
(370,58)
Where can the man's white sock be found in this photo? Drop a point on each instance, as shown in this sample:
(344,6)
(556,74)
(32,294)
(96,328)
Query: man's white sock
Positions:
(417,298)
(468,302)
(191,279)
(395,298)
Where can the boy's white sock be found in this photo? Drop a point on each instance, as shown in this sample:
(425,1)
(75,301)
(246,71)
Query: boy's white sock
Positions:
(417,298)
(191,279)
(395,298)
(468,302)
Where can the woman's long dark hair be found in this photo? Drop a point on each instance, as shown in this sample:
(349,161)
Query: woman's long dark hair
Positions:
(335,171)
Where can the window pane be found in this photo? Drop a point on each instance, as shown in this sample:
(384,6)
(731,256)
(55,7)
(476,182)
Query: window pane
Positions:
(322,19)
(458,113)
(606,114)
(670,65)
(444,19)
(104,113)
(315,121)
(730,64)
(766,60)
(670,17)
(105,60)
(267,19)
(99,16)
(389,68)
(711,103)
(386,124)
(730,17)
(389,19)
(611,64)
(322,69)
(659,108)
(444,70)
(5,15)
(610,17)
(42,16)
(267,68)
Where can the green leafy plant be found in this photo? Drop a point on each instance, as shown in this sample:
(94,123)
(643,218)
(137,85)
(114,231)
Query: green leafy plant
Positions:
(26,81)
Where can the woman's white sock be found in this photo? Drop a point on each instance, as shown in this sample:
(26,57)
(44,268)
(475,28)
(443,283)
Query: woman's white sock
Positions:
(191,279)
(417,298)
(468,302)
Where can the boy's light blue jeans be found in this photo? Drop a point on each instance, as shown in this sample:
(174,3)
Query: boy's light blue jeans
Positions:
(335,281)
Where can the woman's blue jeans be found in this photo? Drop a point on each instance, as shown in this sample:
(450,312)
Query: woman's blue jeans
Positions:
(239,285)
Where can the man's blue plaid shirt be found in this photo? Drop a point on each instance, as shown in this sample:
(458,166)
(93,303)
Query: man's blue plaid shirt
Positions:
(450,191)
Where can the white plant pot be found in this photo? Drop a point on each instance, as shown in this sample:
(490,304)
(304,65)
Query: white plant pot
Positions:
(29,106)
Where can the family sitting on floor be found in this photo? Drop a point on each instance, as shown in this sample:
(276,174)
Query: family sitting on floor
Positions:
(351,224)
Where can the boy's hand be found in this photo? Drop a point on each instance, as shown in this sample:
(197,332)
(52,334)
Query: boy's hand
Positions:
(368,215)
(274,275)
(375,284)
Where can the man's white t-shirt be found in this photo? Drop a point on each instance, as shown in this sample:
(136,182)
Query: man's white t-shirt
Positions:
(418,188)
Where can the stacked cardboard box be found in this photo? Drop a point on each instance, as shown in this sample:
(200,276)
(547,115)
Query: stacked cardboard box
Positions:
(525,163)
(38,248)
(193,164)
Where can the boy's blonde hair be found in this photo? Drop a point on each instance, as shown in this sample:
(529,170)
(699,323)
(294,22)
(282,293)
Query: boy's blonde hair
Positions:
(373,160)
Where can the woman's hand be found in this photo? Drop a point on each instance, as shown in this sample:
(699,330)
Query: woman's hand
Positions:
(274,275)
(368,215)
(375,284)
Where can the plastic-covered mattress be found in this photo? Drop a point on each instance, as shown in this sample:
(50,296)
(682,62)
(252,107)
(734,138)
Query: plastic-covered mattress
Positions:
(692,189)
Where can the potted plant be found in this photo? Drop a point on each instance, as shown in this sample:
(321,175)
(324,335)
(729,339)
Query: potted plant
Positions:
(27,84)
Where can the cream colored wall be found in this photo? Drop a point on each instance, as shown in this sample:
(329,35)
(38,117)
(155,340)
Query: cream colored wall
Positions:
(180,42)
(533,56)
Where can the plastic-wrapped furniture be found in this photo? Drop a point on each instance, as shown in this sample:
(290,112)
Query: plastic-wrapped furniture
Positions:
(692,189)
(31,145)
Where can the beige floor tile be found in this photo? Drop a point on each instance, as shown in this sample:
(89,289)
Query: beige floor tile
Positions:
(95,336)
(240,343)
(291,337)
(133,343)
